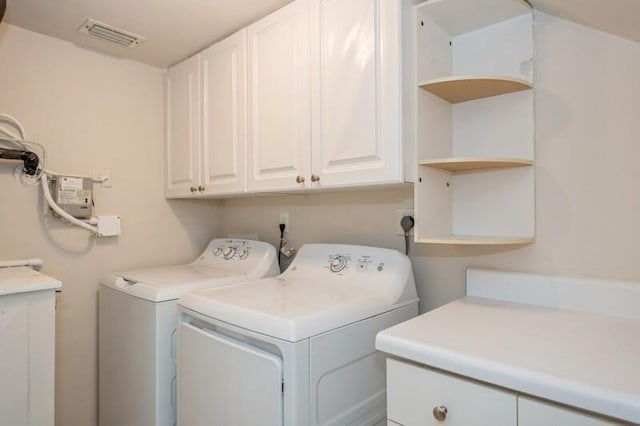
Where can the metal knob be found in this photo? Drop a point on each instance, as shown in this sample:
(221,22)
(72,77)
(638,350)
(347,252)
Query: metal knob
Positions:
(300,179)
(440,413)
(201,188)
(192,189)
(315,178)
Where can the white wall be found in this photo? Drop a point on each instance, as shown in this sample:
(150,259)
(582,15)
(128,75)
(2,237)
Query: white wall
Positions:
(91,112)
(587,178)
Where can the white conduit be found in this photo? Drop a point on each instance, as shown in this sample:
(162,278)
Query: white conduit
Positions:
(34,262)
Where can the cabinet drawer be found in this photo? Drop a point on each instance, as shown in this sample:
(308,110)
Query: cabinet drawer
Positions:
(532,412)
(413,392)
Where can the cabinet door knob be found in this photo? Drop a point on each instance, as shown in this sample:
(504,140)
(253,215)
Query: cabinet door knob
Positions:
(315,178)
(299,179)
(192,189)
(201,188)
(440,413)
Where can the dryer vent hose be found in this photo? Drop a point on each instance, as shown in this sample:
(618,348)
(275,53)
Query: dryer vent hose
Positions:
(3,7)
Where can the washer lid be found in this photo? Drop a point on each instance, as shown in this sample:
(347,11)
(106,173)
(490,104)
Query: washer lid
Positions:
(170,282)
(288,309)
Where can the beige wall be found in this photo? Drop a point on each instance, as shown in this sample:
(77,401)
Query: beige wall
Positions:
(587,178)
(91,112)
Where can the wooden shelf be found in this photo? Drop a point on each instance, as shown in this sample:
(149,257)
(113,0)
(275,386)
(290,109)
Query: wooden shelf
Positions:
(461,164)
(469,87)
(475,240)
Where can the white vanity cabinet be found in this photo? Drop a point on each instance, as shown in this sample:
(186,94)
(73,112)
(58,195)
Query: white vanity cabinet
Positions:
(418,395)
(534,412)
(421,396)
(206,122)
(27,347)
(520,349)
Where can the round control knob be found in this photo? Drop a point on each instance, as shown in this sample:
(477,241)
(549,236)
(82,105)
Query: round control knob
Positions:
(338,263)
(217,251)
(228,252)
(440,413)
(243,253)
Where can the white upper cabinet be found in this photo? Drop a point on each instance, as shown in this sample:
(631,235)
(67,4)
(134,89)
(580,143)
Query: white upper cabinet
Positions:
(278,112)
(224,116)
(356,92)
(308,97)
(206,122)
(183,129)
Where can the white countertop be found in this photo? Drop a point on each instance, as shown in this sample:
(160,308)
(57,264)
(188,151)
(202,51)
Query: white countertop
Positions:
(22,279)
(582,359)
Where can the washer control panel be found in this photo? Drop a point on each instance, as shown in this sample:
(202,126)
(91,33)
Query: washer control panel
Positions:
(231,249)
(227,249)
(340,263)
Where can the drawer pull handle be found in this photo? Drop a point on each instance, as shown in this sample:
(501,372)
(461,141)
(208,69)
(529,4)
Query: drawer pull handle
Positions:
(440,413)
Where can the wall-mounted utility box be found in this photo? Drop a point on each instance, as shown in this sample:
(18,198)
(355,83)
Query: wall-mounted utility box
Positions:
(74,195)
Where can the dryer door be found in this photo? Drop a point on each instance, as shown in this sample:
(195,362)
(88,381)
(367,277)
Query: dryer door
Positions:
(222,381)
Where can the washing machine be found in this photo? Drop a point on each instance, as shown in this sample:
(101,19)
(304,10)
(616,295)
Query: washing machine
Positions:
(138,316)
(297,349)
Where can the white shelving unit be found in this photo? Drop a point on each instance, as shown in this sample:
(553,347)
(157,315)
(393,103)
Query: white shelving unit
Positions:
(475,122)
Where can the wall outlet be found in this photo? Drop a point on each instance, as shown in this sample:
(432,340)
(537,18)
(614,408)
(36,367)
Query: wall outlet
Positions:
(284,218)
(106,173)
(400,213)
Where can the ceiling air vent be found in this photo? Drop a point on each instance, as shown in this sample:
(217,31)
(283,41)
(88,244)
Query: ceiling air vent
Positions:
(112,34)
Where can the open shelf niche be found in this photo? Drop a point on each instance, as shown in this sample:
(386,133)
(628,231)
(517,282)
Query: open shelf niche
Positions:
(475,133)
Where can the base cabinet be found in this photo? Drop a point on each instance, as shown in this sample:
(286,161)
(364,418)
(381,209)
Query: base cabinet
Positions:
(27,354)
(418,395)
(422,396)
(533,412)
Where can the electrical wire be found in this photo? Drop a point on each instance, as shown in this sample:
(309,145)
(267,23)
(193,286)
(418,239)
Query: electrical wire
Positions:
(281,227)
(406,223)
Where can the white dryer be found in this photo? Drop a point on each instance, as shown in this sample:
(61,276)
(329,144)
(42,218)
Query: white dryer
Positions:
(138,316)
(297,349)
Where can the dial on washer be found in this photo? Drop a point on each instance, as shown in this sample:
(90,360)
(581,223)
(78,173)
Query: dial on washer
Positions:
(338,263)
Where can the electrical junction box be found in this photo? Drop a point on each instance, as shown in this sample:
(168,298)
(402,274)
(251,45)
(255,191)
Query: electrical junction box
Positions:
(74,195)
(108,226)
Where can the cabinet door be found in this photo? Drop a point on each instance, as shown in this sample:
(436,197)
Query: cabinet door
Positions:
(533,412)
(14,361)
(224,116)
(183,129)
(414,392)
(356,92)
(278,87)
